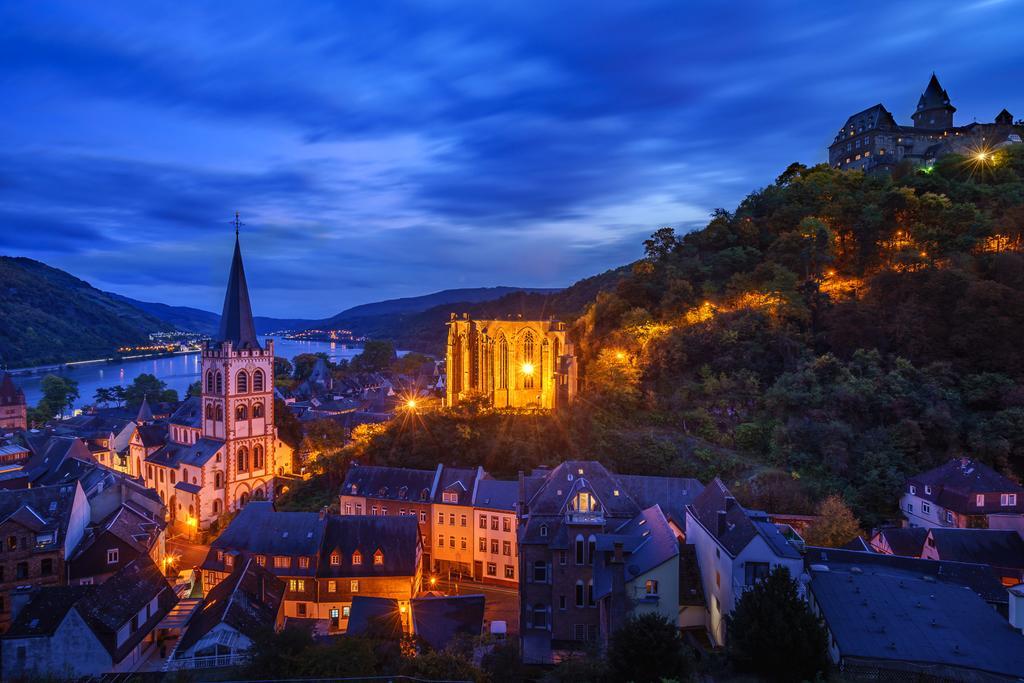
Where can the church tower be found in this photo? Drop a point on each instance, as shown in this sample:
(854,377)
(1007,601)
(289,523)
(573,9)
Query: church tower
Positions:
(934,112)
(238,398)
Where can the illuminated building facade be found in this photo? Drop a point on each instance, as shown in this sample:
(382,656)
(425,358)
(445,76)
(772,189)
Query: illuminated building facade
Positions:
(13,408)
(871,140)
(513,363)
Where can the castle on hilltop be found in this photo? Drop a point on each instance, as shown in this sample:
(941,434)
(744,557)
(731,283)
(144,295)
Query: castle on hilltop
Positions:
(871,140)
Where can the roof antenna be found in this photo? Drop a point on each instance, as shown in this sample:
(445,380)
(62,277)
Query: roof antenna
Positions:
(237,223)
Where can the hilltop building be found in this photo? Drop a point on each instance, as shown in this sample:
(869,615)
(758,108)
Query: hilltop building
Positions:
(13,408)
(219,450)
(512,363)
(963,493)
(871,140)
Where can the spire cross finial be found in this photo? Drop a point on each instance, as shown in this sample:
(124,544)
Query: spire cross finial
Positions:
(237,223)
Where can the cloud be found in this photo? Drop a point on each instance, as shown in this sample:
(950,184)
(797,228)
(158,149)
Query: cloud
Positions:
(387,150)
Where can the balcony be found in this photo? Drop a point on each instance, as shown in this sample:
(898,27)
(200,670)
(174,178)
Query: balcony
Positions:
(595,518)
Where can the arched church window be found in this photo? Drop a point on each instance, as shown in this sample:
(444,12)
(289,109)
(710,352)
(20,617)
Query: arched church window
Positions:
(257,409)
(241,413)
(257,457)
(209,381)
(529,368)
(209,411)
(257,380)
(242,382)
(220,383)
(216,507)
(218,480)
(503,363)
(219,415)
(243,459)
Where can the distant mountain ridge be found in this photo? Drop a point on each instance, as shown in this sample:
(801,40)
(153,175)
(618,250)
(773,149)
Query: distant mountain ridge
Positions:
(49,316)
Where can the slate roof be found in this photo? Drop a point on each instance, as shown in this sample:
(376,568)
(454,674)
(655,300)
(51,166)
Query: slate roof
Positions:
(249,600)
(996,547)
(259,529)
(672,494)
(397,538)
(741,525)
(92,425)
(152,435)
(880,617)
(45,610)
(495,494)
(236,322)
(977,577)
(934,96)
(460,480)
(648,542)
(873,117)
(390,483)
(440,620)
(192,489)
(145,413)
(188,414)
(376,617)
(907,541)
(196,454)
(49,452)
(51,504)
(955,485)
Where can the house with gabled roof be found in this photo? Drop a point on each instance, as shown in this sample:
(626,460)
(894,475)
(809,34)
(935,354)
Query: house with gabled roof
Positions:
(735,547)
(563,512)
(963,493)
(1001,549)
(76,631)
(324,559)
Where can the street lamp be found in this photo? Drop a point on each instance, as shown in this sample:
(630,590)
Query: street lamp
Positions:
(527,369)
(411,404)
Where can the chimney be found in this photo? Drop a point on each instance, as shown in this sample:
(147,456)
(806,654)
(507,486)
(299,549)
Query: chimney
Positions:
(323,513)
(20,597)
(722,524)
(730,503)
(522,494)
(617,554)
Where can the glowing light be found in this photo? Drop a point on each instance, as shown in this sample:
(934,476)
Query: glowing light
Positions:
(527,369)
(433,580)
(981,156)
(620,356)
(411,404)
(402,609)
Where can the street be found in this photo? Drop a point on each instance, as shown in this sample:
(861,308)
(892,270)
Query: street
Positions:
(187,553)
(501,603)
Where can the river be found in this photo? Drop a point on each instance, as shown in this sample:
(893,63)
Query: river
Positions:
(178,371)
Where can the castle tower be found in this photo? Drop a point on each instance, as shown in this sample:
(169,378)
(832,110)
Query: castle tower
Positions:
(934,112)
(238,398)
(13,408)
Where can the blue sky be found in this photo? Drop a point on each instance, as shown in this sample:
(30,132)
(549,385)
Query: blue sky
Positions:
(386,149)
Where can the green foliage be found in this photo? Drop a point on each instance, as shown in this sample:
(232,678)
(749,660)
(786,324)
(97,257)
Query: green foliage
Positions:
(648,649)
(149,387)
(289,428)
(772,632)
(303,364)
(376,356)
(59,394)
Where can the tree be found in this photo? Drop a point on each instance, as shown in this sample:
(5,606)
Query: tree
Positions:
(289,428)
(59,394)
(410,363)
(835,526)
(773,633)
(647,649)
(151,388)
(304,363)
(195,389)
(283,369)
(103,396)
(377,355)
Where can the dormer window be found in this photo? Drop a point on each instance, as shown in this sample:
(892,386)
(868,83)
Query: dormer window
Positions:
(913,490)
(357,558)
(584,502)
(544,530)
(113,554)
(335,559)
(1007,499)
(378,558)
(928,489)
(449,497)
(355,488)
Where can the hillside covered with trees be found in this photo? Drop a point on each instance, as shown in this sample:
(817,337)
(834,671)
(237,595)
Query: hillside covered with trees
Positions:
(50,316)
(832,334)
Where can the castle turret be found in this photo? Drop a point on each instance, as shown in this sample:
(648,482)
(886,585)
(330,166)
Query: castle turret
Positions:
(934,112)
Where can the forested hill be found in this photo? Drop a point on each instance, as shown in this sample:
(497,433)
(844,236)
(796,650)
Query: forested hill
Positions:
(837,330)
(49,316)
(833,334)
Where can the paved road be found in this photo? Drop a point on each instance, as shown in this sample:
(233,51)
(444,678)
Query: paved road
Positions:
(501,603)
(189,554)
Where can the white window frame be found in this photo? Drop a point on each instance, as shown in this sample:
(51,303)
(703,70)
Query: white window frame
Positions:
(1008,499)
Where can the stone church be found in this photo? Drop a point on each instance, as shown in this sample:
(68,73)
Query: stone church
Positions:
(872,141)
(220,449)
(512,363)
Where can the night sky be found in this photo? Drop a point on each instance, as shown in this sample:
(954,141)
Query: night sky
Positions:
(386,149)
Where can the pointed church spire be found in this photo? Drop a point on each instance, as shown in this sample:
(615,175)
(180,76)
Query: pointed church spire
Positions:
(236,323)
(145,413)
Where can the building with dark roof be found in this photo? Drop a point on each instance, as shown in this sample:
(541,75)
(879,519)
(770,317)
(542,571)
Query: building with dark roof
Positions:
(324,559)
(75,631)
(1003,550)
(233,615)
(883,622)
(40,528)
(963,493)
(562,514)
(13,408)
(905,541)
(871,140)
(735,547)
